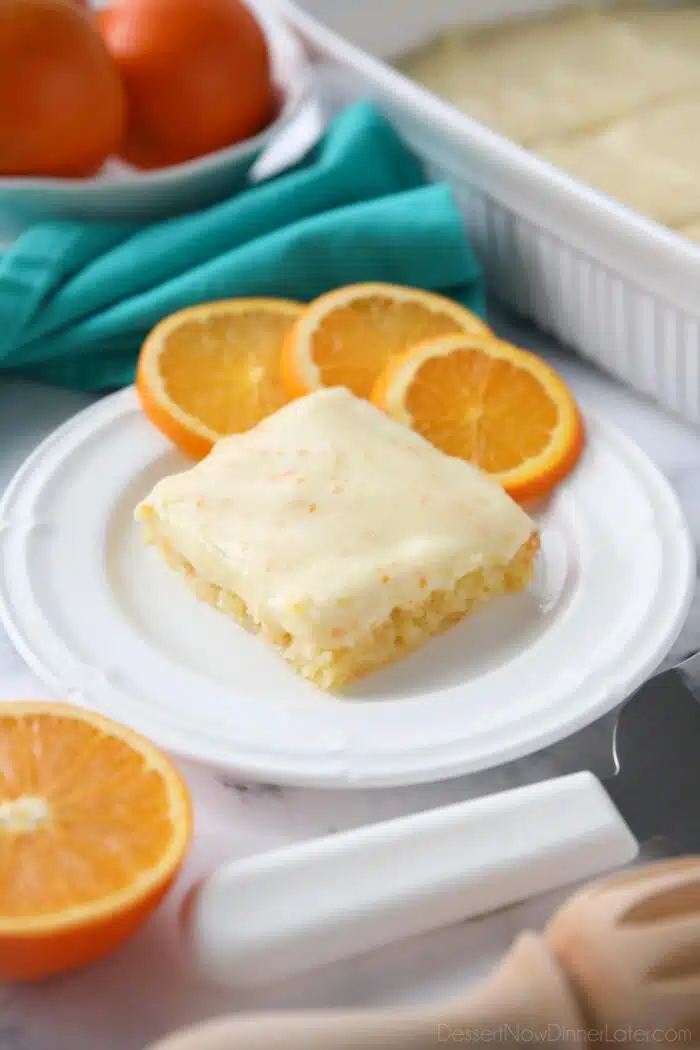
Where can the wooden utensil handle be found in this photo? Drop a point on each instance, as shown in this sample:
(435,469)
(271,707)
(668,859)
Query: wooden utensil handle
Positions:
(526,1000)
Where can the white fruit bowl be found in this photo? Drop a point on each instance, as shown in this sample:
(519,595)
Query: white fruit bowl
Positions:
(119,192)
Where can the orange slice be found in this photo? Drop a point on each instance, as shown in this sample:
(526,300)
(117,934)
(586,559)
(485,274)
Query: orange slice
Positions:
(486,401)
(346,337)
(213,370)
(94,825)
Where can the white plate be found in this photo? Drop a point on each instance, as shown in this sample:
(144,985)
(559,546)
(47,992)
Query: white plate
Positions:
(105,623)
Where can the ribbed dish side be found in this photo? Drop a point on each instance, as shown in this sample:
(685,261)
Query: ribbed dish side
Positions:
(624,329)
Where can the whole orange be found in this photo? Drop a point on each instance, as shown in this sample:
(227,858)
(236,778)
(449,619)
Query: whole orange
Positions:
(196,74)
(61,99)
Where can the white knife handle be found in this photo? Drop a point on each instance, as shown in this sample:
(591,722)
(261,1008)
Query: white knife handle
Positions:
(275,915)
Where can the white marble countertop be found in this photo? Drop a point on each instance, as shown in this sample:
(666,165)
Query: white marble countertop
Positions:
(146,989)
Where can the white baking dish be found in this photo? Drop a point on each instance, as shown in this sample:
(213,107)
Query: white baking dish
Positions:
(618,288)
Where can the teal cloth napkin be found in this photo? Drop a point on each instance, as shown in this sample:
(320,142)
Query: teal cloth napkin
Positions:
(77,299)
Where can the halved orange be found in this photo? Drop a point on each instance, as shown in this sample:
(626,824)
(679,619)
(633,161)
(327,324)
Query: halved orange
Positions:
(486,401)
(346,338)
(212,370)
(94,825)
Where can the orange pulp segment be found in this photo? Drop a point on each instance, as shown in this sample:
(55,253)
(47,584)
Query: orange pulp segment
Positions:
(213,370)
(346,337)
(94,824)
(497,406)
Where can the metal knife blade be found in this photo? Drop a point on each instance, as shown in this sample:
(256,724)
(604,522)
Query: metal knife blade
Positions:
(656,749)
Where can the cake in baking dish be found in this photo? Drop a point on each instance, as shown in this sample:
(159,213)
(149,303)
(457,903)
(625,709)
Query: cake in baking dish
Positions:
(608,93)
(343,538)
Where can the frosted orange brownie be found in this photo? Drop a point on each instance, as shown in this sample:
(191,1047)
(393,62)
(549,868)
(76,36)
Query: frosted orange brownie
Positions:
(344,538)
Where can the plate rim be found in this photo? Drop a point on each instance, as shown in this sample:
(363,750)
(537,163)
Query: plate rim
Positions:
(290,771)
